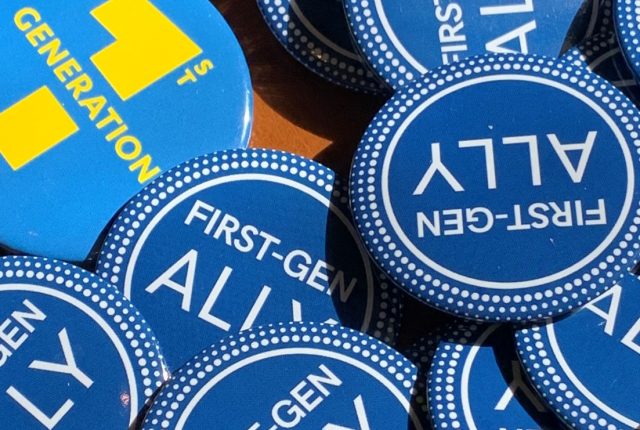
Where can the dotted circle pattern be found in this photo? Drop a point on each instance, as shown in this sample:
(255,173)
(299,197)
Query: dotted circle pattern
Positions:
(321,59)
(388,61)
(369,34)
(444,380)
(628,28)
(421,354)
(135,216)
(454,297)
(107,301)
(555,387)
(188,380)
(593,50)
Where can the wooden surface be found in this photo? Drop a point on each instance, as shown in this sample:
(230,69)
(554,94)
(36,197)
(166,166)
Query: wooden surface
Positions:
(295,110)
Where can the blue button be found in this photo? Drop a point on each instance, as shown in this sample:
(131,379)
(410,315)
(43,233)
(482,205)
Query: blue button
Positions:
(100,97)
(291,376)
(317,34)
(73,350)
(602,55)
(627,24)
(402,40)
(575,361)
(477,382)
(477,189)
(243,238)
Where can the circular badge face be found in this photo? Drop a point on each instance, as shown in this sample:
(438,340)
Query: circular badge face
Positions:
(101,96)
(477,382)
(602,21)
(477,190)
(402,40)
(317,34)
(573,361)
(243,238)
(73,350)
(603,56)
(302,376)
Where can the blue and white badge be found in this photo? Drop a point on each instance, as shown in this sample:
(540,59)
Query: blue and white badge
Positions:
(627,27)
(243,238)
(477,189)
(586,365)
(97,98)
(402,40)
(74,353)
(293,376)
(317,34)
(602,55)
(477,382)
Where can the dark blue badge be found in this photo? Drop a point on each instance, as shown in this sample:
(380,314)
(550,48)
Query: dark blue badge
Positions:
(74,353)
(627,26)
(244,238)
(477,382)
(402,40)
(317,34)
(98,98)
(479,191)
(293,376)
(602,55)
(586,365)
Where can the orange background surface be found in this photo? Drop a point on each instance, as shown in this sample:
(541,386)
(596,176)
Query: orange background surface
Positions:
(295,110)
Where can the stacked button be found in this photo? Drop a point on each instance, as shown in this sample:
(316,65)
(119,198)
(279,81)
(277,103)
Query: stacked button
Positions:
(72,349)
(296,375)
(243,238)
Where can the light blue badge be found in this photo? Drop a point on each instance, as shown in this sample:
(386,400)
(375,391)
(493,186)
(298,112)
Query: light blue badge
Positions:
(97,98)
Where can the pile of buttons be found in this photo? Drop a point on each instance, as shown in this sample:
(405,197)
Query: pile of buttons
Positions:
(475,271)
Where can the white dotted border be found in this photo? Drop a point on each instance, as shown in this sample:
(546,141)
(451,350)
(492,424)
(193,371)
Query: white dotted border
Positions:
(583,54)
(103,298)
(121,239)
(421,353)
(199,370)
(368,29)
(423,282)
(628,28)
(314,54)
(558,391)
(591,50)
(444,376)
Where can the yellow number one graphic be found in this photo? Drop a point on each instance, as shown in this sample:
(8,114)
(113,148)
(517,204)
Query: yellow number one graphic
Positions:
(32,126)
(148,46)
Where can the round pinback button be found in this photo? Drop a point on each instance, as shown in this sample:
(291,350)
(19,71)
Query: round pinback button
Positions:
(317,34)
(301,376)
(402,40)
(477,190)
(477,382)
(602,55)
(73,351)
(627,23)
(101,96)
(586,365)
(243,238)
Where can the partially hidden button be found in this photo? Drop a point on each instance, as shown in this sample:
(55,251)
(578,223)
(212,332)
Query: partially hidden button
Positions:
(101,97)
(478,190)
